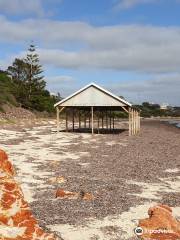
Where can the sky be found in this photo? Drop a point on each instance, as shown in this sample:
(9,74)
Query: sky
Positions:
(129,47)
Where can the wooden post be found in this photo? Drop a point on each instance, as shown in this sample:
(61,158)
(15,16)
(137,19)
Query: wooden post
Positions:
(136,121)
(102,121)
(139,121)
(66,120)
(113,122)
(132,122)
(85,120)
(98,122)
(106,120)
(57,111)
(73,119)
(92,119)
(79,119)
(110,120)
(130,132)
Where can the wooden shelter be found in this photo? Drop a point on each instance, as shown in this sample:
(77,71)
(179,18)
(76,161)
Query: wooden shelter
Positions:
(96,100)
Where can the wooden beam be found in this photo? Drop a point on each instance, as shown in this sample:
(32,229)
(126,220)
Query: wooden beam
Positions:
(92,119)
(125,109)
(61,109)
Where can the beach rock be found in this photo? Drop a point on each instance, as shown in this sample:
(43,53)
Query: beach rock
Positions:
(161,225)
(62,194)
(59,179)
(16,219)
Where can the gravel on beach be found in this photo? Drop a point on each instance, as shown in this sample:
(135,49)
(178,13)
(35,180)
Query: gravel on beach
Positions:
(117,169)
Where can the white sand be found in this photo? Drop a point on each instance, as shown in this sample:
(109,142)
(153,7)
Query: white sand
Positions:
(154,190)
(126,222)
(175,170)
(27,155)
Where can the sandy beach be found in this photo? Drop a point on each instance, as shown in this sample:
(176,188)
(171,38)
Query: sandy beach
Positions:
(125,174)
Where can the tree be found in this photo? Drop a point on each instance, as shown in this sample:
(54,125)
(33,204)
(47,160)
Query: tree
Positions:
(35,80)
(29,90)
(121,97)
(6,90)
(18,73)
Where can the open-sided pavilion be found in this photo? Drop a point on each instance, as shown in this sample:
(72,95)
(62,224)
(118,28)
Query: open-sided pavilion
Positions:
(96,102)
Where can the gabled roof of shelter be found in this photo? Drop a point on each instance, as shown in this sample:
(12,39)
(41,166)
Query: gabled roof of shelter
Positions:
(92,95)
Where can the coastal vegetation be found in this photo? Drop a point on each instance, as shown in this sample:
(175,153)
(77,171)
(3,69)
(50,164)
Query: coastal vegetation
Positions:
(23,84)
(154,110)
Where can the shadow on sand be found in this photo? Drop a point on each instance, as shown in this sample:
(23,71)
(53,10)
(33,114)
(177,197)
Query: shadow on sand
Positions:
(96,131)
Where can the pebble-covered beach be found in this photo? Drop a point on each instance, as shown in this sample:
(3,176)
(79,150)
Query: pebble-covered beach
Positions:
(125,174)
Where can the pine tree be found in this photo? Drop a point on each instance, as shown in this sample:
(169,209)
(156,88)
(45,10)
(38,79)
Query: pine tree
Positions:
(29,85)
(35,81)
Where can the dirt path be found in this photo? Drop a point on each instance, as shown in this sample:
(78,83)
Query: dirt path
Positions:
(126,176)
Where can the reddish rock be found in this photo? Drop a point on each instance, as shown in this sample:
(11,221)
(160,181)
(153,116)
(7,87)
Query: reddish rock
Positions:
(5,165)
(61,193)
(16,219)
(88,197)
(161,225)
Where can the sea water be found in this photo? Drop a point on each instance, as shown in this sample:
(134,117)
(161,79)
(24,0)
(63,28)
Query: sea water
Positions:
(176,123)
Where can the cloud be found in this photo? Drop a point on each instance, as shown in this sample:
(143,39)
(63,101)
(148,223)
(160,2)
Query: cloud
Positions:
(64,84)
(21,6)
(159,89)
(126,4)
(77,45)
(28,7)
(59,79)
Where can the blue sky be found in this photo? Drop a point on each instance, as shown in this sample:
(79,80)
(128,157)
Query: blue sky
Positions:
(130,47)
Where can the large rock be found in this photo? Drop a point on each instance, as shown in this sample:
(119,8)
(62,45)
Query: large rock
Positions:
(161,225)
(16,219)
